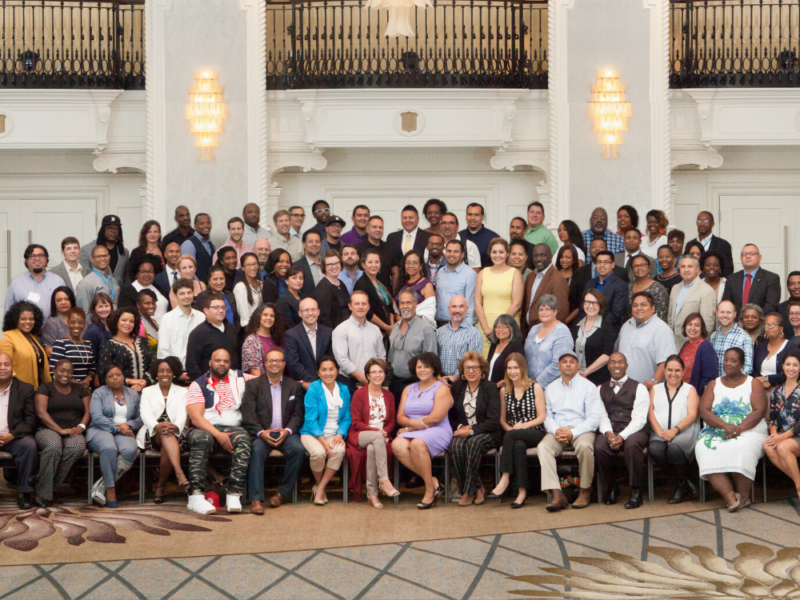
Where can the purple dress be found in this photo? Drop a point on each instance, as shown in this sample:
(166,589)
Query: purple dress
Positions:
(420,404)
(416,287)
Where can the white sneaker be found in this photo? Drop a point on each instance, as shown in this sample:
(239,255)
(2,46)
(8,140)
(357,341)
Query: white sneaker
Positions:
(99,492)
(198,504)
(233,503)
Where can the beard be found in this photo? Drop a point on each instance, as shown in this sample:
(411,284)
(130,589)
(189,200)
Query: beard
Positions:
(38,270)
(406,314)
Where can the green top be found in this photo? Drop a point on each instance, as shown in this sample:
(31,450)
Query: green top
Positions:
(542,235)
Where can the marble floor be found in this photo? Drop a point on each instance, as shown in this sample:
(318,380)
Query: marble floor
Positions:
(698,555)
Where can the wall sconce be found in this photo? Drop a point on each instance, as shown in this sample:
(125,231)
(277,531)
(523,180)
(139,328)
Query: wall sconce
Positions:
(610,111)
(205,112)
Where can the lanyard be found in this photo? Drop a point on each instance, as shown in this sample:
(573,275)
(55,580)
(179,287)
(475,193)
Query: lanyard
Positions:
(109,282)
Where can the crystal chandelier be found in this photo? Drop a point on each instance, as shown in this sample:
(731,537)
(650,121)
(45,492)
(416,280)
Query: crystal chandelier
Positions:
(205,112)
(610,111)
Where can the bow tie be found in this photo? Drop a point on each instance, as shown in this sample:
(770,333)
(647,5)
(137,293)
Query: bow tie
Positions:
(616,384)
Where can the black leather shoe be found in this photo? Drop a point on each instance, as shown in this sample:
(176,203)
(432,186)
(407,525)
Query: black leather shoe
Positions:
(23,502)
(635,501)
(611,494)
(685,489)
(40,503)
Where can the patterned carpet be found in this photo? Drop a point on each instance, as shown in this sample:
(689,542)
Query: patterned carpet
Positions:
(707,554)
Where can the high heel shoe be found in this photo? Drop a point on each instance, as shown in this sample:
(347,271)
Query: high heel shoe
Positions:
(426,506)
(314,497)
(390,494)
(159,490)
(184,485)
(374,502)
(519,504)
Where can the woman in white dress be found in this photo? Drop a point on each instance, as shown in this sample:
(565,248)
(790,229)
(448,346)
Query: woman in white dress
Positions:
(674,425)
(731,444)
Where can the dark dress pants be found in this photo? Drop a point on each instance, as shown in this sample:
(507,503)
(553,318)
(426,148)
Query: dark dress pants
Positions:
(26,456)
(292,450)
(665,454)
(514,459)
(632,453)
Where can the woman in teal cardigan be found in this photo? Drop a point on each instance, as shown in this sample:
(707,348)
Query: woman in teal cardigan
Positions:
(324,429)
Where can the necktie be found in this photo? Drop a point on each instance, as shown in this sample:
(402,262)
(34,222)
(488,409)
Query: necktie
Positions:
(746,294)
(630,258)
(174,276)
(408,244)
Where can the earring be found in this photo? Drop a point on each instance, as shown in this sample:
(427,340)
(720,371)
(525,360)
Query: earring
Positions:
(483,376)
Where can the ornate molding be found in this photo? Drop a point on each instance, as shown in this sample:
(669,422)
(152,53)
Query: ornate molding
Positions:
(538,159)
(8,125)
(308,161)
(704,99)
(701,157)
(509,111)
(397,121)
(113,162)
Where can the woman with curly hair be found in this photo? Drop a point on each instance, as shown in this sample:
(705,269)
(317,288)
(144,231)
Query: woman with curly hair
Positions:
(656,237)
(264,333)
(127,349)
(21,328)
(627,219)
(55,327)
(433,211)
(570,235)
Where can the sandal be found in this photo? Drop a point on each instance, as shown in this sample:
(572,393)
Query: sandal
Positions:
(184,485)
(374,502)
(159,490)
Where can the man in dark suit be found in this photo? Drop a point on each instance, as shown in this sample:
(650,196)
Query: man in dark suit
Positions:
(753,285)
(312,242)
(272,412)
(614,289)
(546,279)
(632,241)
(411,236)
(169,274)
(793,287)
(705,224)
(584,274)
(16,437)
(301,353)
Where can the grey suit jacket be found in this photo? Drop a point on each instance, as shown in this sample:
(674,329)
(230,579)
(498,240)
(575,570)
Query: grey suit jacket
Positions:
(619,260)
(61,271)
(119,272)
(701,298)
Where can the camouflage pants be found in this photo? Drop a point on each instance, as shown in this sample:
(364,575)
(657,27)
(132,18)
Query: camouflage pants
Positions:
(202,444)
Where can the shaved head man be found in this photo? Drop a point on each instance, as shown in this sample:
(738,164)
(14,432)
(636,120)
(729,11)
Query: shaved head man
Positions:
(251,214)
(183,231)
(305,343)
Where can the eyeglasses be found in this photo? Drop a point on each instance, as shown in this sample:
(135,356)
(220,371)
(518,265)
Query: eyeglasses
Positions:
(641,266)
(590,303)
(274,361)
(298,215)
(604,262)
(748,254)
(320,211)
(703,221)
(771,325)
(37,256)
(472,368)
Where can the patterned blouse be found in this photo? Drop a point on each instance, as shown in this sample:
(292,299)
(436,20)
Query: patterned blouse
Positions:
(523,409)
(660,297)
(135,363)
(784,412)
(687,353)
(254,352)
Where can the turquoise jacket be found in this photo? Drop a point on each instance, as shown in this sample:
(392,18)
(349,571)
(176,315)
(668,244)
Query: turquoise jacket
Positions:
(317,410)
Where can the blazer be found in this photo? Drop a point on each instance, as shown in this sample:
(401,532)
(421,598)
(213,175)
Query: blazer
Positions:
(377,308)
(316,410)
(619,261)
(760,353)
(499,370)
(554,283)
(308,278)
(162,284)
(765,290)
(120,274)
(21,417)
(101,407)
(706,366)
(289,306)
(724,248)
(601,342)
(616,292)
(396,240)
(151,407)
(487,409)
(579,278)
(300,358)
(359,413)
(701,298)
(23,358)
(257,405)
(61,271)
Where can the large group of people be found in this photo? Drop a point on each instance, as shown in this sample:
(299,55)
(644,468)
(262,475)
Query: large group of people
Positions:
(342,345)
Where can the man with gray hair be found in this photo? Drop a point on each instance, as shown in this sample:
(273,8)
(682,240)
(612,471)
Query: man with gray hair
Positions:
(692,295)
(411,336)
(456,337)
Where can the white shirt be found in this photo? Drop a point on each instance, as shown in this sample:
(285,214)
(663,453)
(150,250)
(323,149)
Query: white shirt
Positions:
(75,275)
(473,254)
(170,277)
(354,344)
(405,240)
(706,242)
(173,332)
(252,234)
(242,305)
(162,304)
(312,338)
(641,405)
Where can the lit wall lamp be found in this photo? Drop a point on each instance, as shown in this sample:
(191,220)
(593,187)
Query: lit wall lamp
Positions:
(205,112)
(610,111)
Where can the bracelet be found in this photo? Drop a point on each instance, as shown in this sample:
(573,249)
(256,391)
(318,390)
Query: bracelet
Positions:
(679,429)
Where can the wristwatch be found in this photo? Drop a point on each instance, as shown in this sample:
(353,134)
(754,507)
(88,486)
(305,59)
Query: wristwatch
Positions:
(82,426)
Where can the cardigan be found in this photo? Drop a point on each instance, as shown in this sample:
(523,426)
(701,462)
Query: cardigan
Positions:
(600,342)
(357,456)
(487,409)
(16,345)
(101,407)
(152,406)
(333,303)
(499,372)
(706,359)
(760,353)
(377,307)
(317,410)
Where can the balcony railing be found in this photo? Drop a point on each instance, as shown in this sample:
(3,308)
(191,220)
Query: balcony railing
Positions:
(734,43)
(72,44)
(458,43)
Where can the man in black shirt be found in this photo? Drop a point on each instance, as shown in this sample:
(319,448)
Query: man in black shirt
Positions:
(390,258)
(205,339)
(183,231)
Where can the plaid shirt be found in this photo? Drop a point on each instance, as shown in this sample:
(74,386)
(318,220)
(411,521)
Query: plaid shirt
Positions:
(453,345)
(614,242)
(735,338)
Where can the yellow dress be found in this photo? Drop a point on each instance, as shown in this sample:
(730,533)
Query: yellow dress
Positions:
(496,291)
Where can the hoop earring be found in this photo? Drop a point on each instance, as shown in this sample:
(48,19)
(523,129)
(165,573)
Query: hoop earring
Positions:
(483,376)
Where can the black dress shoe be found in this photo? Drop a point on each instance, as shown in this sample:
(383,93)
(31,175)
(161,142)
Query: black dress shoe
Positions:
(635,501)
(23,502)
(40,503)
(685,489)
(519,504)
(611,494)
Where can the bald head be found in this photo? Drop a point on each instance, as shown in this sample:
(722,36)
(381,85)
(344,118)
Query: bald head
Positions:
(6,369)
(220,363)
(309,312)
(457,309)
(251,214)
(262,248)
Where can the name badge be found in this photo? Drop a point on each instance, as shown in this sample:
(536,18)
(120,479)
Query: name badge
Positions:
(33,297)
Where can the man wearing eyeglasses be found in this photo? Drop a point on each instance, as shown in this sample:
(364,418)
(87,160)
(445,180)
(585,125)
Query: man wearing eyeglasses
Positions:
(753,285)
(216,333)
(705,224)
(297,216)
(321,211)
(37,284)
(614,289)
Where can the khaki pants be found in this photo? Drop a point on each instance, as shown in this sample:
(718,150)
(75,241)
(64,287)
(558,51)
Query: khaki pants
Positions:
(550,448)
(377,471)
(319,456)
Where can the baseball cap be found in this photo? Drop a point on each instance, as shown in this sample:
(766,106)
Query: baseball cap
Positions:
(111,220)
(333,220)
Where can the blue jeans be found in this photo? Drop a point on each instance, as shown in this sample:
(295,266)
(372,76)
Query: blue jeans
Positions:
(294,452)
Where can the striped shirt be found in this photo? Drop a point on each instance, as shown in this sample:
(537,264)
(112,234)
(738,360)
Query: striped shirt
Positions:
(735,338)
(454,343)
(228,394)
(80,355)
(25,287)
